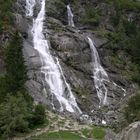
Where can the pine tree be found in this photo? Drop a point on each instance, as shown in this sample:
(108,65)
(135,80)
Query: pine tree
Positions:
(15,68)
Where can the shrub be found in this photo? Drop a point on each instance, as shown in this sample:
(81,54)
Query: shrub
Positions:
(132,111)
(6,14)
(98,133)
(130,28)
(14,115)
(39,114)
(126,4)
(92,16)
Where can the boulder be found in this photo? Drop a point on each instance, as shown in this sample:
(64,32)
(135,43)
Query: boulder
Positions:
(132,132)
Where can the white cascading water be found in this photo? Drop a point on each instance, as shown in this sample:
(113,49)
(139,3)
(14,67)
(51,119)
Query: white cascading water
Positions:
(119,87)
(70,16)
(100,75)
(29,7)
(101,78)
(71,96)
(53,72)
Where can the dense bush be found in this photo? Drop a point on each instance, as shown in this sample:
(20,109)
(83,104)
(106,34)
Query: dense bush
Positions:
(126,4)
(92,16)
(14,115)
(132,111)
(39,114)
(6,14)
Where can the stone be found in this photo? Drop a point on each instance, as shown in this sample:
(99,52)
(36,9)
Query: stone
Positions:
(21,23)
(110,135)
(132,132)
(32,58)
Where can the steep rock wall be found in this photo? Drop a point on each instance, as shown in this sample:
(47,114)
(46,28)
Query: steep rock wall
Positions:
(71,47)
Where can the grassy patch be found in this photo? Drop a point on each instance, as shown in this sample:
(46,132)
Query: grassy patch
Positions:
(86,132)
(96,132)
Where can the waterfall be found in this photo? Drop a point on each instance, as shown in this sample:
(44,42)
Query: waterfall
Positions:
(100,75)
(70,16)
(29,7)
(101,79)
(51,68)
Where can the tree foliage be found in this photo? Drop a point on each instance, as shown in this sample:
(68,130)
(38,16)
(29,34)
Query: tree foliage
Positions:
(15,68)
(14,115)
(39,114)
(17,113)
(6,14)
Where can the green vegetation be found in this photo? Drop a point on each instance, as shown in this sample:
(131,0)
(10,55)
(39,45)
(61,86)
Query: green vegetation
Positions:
(126,4)
(17,113)
(126,36)
(60,135)
(6,14)
(56,28)
(132,111)
(39,114)
(96,132)
(15,76)
(14,115)
(59,4)
(15,69)
(92,16)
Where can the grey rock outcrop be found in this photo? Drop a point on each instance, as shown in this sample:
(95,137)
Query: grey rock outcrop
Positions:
(132,132)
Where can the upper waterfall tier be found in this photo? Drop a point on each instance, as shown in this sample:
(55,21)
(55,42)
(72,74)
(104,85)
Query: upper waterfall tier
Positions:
(70,16)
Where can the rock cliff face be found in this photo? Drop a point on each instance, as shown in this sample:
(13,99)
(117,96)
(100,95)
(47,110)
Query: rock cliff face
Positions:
(71,47)
(129,133)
